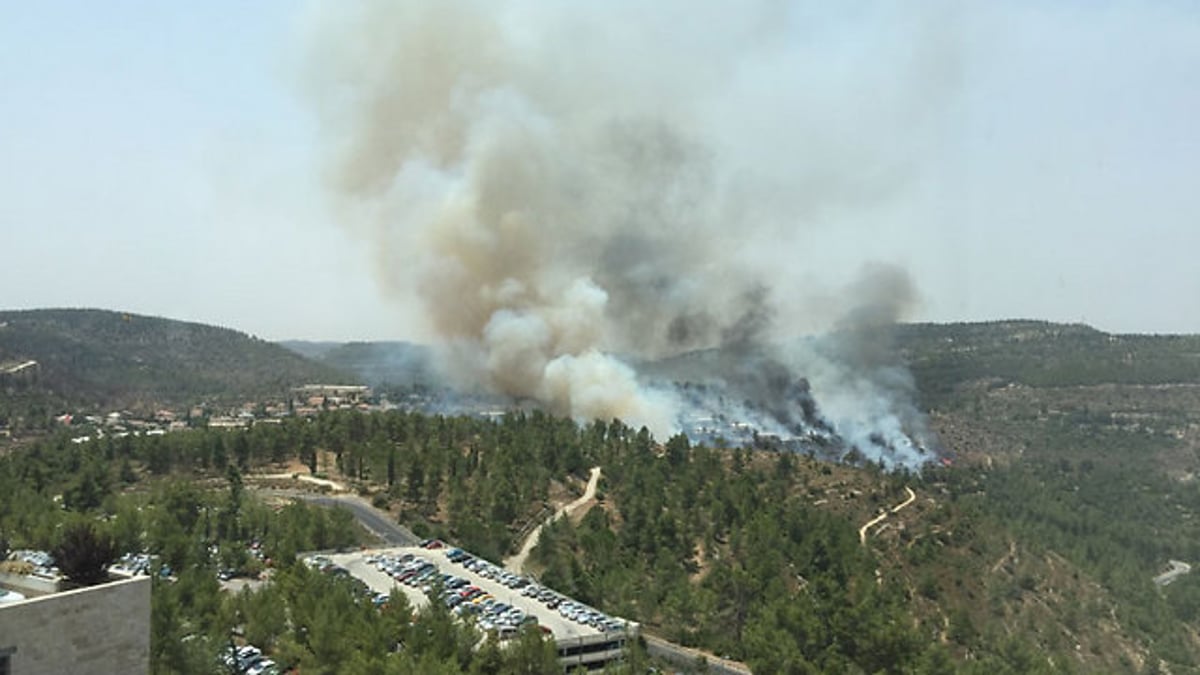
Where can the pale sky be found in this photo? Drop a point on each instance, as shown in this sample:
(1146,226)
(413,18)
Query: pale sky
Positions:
(158,158)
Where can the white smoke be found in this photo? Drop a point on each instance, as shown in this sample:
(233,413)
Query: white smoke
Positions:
(561,184)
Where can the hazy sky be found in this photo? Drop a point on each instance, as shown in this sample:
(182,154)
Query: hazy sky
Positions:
(159,158)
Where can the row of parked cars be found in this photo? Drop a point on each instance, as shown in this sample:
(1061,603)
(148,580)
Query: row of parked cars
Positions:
(486,569)
(575,611)
(360,588)
(249,660)
(464,598)
(456,592)
(566,607)
(133,564)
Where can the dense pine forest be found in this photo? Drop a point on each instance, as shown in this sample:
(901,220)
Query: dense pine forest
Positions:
(750,554)
(1070,484)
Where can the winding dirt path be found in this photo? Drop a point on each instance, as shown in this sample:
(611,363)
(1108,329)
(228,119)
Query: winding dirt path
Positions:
(862,531)
(1178,569)
(517,562)
(682,656)
(323,482)
(1012,552)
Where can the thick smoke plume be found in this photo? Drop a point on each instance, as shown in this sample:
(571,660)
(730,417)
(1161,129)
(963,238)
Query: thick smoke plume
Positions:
(571,189)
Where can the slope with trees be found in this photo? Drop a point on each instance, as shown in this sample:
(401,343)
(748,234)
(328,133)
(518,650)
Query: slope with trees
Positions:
(1034,552)
(103,360)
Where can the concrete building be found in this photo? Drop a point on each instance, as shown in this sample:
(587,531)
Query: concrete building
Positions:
(98,629)
(592,652)
(330,394)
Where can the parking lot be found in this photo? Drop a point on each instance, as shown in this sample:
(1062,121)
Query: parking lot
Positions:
(481,591)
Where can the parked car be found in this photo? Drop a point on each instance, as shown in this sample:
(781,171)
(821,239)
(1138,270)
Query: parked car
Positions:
(262,667)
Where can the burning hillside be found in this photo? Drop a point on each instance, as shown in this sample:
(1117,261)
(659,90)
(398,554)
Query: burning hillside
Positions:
(569,195)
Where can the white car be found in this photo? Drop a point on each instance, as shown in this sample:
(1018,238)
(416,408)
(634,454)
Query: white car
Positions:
(262,667)
(248,655)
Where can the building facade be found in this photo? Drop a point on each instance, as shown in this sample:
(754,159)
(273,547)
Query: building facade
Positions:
(99,629)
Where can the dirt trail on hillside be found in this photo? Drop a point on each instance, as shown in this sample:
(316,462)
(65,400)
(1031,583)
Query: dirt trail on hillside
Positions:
(1011,555)
(517,562)
(322,482)
(862,531)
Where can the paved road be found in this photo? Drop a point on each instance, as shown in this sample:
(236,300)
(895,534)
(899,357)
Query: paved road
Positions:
(378,522)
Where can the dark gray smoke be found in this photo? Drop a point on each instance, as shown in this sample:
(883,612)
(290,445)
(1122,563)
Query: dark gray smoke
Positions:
(865,388)
(562,184)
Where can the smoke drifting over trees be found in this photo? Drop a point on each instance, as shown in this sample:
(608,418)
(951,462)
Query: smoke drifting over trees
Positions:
(570,191)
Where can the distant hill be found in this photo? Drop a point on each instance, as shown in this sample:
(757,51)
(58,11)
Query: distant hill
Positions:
(381,364)
(944,357)
(1040,354)
(100,358)
(310,349)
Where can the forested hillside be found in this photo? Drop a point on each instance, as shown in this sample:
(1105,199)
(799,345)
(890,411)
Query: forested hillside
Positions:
(110,360)
(1025,568)
(1034,551)
(390,365)
(1040,354)
(1078,452)
(186,499)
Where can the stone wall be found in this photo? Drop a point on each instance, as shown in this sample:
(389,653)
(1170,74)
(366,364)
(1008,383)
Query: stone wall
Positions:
(101,629)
